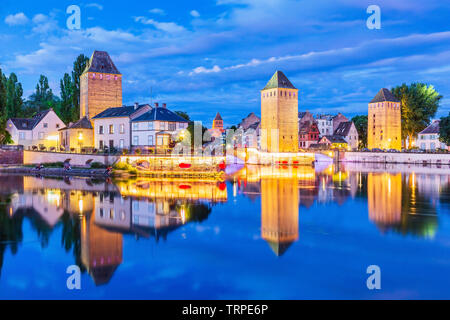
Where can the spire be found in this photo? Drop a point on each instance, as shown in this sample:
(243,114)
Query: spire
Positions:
(218,117)
(279,80)
(384,95)
(101,62)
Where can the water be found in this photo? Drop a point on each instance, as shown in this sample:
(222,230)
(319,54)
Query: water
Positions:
(264,233)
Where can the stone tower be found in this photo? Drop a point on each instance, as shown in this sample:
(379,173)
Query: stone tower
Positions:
(279,115)
(384,122)
(100,85)
(218,122)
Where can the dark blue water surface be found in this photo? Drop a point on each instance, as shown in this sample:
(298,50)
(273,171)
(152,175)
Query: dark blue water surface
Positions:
(264,233)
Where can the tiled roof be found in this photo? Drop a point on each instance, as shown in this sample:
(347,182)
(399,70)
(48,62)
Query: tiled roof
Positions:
(343,129)
(83,123)
(306,127)
(384,95)
(279,80)
(101,62)
(433,128)
(31,123)
(161,114)
(336,139)
(119,112)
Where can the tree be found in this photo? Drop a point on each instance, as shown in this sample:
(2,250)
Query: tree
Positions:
(43,97)
(67,110)
(3,133)
(444,130)
(183,115)
(419,103)
(361,126)
(14,99)
(78,68)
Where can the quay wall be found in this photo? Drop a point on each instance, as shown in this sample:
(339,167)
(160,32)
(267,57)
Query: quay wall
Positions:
(75,159)
(11,155)
(408,158)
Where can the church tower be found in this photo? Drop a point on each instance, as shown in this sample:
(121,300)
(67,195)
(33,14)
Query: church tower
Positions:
(384,122)
(100,85)
(218,122)
(279,115)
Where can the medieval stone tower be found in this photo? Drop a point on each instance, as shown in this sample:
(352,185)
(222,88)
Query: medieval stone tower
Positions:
(100,85)
(279,115)
(218,122)
(384,122)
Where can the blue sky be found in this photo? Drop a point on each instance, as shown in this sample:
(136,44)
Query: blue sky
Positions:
(206,56)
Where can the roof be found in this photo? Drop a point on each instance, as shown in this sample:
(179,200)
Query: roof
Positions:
(279,80)
(432,128)
(83,123)
(343,129)
(119,112)
(384,95)
(30,123)
(279,248)
(327,117)
(161,114)
(306,127)
(335,139)
(218,117)
(101,62)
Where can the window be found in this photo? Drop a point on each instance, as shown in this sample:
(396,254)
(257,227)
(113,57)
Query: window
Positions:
(150,125)
(100,144)
(41,136)
(111,129)
(111,214)
(172,126)
(57,126)
(150,140)
(136,140)
(135,126)
(21,135)
(100,130)
(121,143)
(122,128)
(111,144)
(45,125)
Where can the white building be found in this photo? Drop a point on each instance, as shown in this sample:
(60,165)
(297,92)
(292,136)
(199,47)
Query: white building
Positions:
(325,124)
(428,139)
(155,128)
(112,127)
(348,132)
(40,131)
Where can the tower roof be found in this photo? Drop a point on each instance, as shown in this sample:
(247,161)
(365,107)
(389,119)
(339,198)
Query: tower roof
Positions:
(101,62)
(384,95)
(279,80)
(218,117)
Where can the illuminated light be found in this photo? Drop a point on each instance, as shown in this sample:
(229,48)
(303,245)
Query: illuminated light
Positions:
(80,205)
(52,138)
(10,212)
(222,186)
(183,215)
(80,136)
(184,186)
(184,165)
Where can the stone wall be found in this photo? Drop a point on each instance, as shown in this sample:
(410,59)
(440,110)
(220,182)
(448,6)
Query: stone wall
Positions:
(410,158)
(11,155)
(75,159)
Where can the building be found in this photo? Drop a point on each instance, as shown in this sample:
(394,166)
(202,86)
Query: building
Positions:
(304,117)
(333,142)
(308,134)
(100,86)
(428,139)
(279,115)
(384,122)
(249,121)
(77,136)
(112,127)
(155,128)
(348,132)
(325,124)
(39,132)
(337,120)
(217,129)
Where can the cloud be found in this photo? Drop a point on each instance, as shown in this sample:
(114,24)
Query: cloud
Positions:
(195,13)
(170,27)
(95,5)
(16,19)
(44,24)
(205,70)
(158,11)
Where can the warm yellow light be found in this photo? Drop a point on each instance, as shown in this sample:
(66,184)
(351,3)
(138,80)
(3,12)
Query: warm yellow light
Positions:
(52,138)
(80,136)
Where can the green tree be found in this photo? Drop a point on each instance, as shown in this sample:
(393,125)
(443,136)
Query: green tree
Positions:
(419,103)
(361,126)
(444,130)
(14,99)
(78,68)
(3,133)
(43,97)
(67,110)
(183,115)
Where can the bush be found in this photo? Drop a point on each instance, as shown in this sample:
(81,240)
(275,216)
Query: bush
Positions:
(125,151)
(97,165)
(138,151)
(125,167)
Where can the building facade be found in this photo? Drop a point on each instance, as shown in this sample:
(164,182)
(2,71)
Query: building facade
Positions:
(217,129)
(77,136)
(308,134)
(428,139)
(348,132)
(112,127)
(279,115)
(324,124)
(39,132)
(100,86)
(384,122)
(155,128)
(337,119)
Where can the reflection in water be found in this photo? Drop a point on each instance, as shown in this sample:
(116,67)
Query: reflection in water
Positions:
(94,215)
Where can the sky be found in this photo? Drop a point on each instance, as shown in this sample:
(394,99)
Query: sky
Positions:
(209,56)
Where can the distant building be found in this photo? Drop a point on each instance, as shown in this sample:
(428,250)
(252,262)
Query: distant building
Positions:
(100,86)
(249,121)
(384,122)
(279,115)
(348,132)
(308,134)
(77,136)
(304,117)
(40,131)
(333,142)
(428,139)
(155,128)
(338,119)
(112,127)
(325,124)
(217,127)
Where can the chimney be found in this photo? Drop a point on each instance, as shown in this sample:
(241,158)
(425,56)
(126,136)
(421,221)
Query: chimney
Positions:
(136,105)
(156,104)
(165,105)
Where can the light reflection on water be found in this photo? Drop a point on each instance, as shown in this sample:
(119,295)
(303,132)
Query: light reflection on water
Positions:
(323,227)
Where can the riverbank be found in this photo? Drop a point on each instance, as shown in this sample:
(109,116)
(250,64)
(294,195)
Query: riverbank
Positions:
(54,172)
(402,158)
